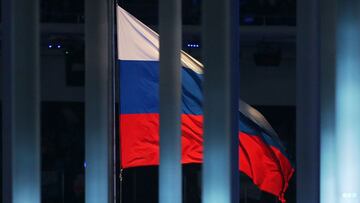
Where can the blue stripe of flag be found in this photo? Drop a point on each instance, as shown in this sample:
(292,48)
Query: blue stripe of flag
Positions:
(141,95)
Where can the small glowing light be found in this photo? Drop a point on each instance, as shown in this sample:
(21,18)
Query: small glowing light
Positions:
(248,20)
(193,45)
(59,46)
(85,164)
(67,52)
(349,195)
(50,46)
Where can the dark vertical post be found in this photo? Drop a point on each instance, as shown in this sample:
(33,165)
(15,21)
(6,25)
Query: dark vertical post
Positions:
(308,101)
(21,101)
(328,162)
(221,95)
(170,179)
(99,61)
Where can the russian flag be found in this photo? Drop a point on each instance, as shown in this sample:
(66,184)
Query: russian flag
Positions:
(262,157)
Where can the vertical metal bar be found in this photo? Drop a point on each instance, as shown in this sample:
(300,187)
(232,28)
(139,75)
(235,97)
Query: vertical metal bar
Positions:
(328,162)
(221,60)
(98,100)
(170,178)
(347,100)
(21,101)
(308,101)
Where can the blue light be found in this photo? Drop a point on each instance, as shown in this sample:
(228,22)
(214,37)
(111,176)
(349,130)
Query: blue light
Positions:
(58,46)
(249,20)
(50,46)
(193,45)
(85,164)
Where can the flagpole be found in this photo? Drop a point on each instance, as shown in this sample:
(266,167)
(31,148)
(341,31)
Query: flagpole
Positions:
(112,101)
(21,101)
(117,140)
(221,80)
(170,174)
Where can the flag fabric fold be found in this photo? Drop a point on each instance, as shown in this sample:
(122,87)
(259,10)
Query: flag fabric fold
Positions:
(261,154)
